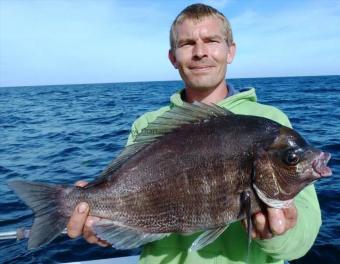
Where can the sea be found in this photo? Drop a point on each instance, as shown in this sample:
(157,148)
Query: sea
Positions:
(64,133)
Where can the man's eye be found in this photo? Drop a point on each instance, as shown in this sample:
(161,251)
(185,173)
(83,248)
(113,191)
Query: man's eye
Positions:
(190,43)
(184,44)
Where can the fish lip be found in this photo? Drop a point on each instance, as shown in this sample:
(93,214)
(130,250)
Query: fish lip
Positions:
(319,164)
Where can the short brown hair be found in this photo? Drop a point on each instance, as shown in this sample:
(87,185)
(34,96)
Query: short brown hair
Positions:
(198,12)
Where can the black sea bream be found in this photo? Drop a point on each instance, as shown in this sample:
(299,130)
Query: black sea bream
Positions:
(195,168)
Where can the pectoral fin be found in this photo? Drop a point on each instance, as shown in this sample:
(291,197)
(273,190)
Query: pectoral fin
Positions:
(246,201)
(207,237)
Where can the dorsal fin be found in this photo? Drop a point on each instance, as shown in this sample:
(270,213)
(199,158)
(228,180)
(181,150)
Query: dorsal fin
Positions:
(162,125)
(178,116)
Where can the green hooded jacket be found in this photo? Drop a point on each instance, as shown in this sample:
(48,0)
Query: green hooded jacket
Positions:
(231,246)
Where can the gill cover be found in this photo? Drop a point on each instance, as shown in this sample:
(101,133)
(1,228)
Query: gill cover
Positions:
(278,176)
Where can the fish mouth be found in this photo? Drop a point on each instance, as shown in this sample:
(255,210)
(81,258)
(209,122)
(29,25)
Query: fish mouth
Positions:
(320,164)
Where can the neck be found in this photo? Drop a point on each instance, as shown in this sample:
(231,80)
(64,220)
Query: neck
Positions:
(211,96)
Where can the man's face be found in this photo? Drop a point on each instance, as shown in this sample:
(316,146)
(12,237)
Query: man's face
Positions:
(201,54)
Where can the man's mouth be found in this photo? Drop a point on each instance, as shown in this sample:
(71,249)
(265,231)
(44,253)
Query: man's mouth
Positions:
(201,68)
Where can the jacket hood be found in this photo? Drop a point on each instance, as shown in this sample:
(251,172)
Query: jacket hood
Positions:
(229,102)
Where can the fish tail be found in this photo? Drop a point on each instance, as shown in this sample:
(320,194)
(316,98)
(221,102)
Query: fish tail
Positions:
(45,202)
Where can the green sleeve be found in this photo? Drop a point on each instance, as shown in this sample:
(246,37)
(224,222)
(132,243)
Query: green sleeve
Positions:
(297,241)
(132,135)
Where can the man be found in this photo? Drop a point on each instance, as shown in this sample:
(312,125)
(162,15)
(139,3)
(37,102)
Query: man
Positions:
(201,48)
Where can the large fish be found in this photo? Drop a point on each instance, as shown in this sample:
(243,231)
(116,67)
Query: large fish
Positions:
(197,167)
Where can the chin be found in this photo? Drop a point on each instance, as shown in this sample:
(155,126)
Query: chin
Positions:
(202,86)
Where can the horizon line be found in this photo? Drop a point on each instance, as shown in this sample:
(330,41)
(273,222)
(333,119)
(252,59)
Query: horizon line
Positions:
(179,80)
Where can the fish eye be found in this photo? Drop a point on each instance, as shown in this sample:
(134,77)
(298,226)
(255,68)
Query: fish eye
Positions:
(291,158)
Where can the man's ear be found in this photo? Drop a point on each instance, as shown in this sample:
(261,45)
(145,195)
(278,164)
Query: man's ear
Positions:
(172,58)
(231,53)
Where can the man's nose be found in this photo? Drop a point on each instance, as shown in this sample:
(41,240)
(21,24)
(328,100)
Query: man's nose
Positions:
(200,50)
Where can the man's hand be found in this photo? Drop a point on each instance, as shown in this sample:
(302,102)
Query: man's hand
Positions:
(81,223)
(273,222)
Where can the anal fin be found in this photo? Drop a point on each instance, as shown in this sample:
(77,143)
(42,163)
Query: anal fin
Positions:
(122,237)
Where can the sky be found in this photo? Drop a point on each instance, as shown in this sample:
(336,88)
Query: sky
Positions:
(46,42)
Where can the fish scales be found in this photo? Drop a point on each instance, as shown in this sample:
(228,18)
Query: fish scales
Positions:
(197,192)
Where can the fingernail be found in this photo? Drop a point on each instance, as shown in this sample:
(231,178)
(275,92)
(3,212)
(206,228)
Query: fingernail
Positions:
(82,208)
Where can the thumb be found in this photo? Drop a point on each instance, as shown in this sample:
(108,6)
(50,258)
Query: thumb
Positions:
(77,221)
(277,221)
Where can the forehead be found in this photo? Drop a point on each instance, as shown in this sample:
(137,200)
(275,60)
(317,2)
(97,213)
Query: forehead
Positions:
(193,28)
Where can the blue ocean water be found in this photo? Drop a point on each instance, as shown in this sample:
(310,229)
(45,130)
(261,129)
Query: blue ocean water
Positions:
(64,133)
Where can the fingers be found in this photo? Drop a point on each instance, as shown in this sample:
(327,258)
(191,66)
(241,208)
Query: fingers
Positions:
(77,221)
(273,222)
(291,215)
(81,183)
(277,221)
(89,235)
(281,220)
(261,226)
(81,223)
